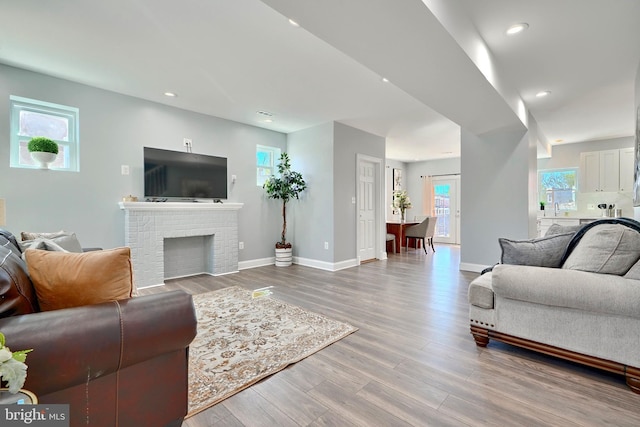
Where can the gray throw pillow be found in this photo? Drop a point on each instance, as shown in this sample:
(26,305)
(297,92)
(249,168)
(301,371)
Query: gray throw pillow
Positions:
(634,272)
(541,252)
(42,244)
(31,235)
(562,229)
(67,241)
(607,249)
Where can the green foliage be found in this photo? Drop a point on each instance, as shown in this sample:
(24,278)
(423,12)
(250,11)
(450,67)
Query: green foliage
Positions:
(287,186)
(560,180)
(40,143)
(13,369)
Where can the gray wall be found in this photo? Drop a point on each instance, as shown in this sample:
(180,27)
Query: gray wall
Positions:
(348,142)
(636,112)
(495,193)
(113,130)
(430,167)
(326,155)
(311,152)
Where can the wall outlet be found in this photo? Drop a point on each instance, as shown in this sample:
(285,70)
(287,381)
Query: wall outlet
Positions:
(240,245)
(124,169)
(326,245)
(591,206)
(187,142)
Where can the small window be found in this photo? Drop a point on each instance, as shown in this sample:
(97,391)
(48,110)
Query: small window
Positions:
(266,158)
(31,118)
(558,186)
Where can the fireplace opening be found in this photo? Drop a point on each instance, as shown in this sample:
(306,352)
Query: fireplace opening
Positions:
(188,256)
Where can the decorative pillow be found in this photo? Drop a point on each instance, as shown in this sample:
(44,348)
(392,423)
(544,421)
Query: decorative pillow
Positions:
(634,272)
(68,241)
(562,229)
(540,252)
(29,235)
(607,249)
(42,244)
(66,279)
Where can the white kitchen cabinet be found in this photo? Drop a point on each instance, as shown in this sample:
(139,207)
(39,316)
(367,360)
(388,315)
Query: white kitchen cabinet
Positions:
(600,171)
(545,223)
(626,169)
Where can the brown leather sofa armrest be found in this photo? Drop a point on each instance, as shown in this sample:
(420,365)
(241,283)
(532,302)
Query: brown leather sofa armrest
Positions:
(76,345)
(156,324)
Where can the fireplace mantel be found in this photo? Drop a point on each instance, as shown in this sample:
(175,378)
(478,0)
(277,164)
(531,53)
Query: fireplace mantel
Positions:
(148,224)
(170,206)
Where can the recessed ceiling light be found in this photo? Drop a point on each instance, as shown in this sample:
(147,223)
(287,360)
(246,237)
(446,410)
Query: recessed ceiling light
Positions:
(170,94)
(294,23)
(516,28)
(543,93)
(386,80)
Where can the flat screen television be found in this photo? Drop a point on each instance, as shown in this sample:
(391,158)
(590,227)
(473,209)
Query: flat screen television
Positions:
(180,175)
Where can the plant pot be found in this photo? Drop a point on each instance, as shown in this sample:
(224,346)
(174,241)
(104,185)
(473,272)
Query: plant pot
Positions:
(283,257)
(43,158)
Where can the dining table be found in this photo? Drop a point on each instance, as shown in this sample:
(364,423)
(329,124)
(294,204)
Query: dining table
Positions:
(398,229)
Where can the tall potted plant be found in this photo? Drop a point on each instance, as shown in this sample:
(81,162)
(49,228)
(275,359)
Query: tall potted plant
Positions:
(285,187)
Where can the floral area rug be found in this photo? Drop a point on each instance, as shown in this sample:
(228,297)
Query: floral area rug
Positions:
(242,340)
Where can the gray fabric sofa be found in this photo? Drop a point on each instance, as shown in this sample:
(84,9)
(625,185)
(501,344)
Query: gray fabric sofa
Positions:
(584,308)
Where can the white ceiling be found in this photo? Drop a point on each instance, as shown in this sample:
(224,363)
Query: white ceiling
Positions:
(231,59)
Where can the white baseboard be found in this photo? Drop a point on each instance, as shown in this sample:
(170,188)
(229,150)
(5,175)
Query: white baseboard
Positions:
(475,268)
(323,265)
(253,263)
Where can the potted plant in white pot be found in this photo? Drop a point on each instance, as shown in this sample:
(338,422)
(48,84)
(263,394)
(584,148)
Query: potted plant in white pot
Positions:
(43,150)
(287,186)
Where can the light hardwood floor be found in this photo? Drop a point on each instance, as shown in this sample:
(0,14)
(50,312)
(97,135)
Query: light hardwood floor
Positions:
(413,360)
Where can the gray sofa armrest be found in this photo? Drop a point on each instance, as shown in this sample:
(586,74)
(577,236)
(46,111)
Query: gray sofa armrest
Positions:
(593,292)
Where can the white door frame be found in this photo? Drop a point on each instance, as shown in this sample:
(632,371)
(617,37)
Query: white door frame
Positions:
(380,230)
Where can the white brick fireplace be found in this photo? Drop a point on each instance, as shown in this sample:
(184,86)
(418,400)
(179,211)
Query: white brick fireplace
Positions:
(197,237)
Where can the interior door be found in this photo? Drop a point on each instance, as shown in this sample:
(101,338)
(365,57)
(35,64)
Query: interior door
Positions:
(366,210)
(446,194)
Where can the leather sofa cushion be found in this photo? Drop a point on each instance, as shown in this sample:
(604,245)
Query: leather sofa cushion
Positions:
(67,279)
(17,295)
(606,249)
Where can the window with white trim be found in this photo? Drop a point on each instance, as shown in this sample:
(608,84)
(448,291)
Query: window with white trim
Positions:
(31,118)
(558,186)
(266,158)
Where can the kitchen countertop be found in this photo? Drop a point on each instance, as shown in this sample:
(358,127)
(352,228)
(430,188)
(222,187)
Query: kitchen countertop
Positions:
(591,218)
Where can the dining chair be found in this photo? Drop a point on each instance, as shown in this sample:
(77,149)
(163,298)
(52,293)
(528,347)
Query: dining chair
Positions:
(392,238)
(423,231)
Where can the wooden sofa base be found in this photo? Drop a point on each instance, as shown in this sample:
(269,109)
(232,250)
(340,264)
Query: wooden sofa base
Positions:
(631,374)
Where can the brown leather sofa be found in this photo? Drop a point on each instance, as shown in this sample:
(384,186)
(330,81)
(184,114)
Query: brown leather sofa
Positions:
(121,363)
